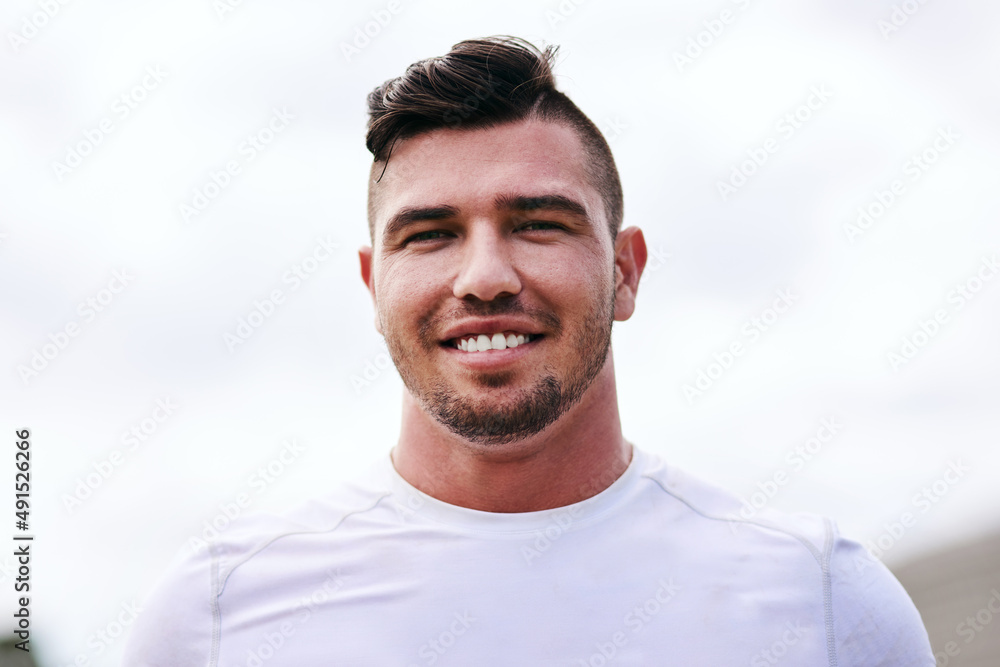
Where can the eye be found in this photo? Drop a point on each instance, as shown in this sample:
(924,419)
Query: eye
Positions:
(430,235)
(540,225)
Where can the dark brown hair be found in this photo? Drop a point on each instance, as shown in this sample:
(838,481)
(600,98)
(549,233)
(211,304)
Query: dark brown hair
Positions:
(479,84)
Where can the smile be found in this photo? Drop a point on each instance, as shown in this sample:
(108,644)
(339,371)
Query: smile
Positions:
(485,342)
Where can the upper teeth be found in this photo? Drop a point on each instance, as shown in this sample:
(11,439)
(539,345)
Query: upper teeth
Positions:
(497,341)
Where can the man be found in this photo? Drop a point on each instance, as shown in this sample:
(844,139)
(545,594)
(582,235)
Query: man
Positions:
(512,524)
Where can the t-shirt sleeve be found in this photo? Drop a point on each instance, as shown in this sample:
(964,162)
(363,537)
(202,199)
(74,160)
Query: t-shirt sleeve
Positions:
(875,622)
(174,627)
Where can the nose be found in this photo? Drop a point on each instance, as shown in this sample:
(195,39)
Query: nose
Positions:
(486,271)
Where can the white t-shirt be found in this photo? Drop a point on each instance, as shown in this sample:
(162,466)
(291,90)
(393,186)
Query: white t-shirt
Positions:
(654,570)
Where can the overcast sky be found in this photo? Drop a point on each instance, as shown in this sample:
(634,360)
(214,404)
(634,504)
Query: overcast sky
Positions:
(167,167)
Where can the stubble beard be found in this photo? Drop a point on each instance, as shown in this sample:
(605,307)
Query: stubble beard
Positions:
(522,413)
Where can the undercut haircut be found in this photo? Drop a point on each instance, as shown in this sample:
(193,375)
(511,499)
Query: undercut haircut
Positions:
(480,84)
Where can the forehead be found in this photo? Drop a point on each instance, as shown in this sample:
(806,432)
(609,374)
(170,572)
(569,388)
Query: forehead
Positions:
(468,168)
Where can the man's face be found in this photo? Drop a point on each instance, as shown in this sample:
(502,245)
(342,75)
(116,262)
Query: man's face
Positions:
(492,235)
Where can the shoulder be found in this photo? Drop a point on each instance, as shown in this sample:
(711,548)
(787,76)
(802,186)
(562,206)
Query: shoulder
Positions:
(875,621)
(178,606)
(869,617)
(184,603)
(737,522)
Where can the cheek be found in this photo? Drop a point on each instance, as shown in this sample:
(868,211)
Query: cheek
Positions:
(568,277)
(402,288)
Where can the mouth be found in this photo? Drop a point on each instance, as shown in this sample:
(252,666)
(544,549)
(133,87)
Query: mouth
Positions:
(478,343)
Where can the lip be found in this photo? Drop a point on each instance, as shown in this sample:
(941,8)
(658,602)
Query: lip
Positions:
(488,326)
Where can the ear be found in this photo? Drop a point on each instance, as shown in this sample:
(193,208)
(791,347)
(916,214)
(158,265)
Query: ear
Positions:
(365,257)
(630,260)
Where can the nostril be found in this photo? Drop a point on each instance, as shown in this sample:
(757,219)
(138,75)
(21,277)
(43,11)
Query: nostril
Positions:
(487,279)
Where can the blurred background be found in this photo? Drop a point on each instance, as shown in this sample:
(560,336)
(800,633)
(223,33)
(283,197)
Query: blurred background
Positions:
(183,197)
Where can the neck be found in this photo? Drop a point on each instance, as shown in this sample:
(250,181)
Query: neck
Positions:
(571,460)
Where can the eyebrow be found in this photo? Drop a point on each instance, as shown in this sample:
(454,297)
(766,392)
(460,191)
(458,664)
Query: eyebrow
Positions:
(558,203)
(503,202)
(408,216)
